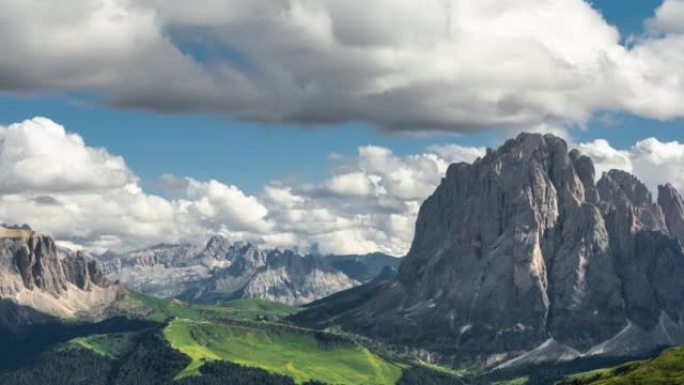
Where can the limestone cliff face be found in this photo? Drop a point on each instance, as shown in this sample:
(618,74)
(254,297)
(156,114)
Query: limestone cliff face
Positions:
(34,272)
(673,209)
(523,250)
(519,236)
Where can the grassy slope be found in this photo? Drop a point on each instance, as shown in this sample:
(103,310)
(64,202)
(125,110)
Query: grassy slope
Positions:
(589,375)
(252,308)
(197,331)
(158,309)
(296,354)
(210,332)
(109,345)
(665,369)
(515,381)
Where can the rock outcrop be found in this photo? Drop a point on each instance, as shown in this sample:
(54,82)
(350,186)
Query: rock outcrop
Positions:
(673,208)
(521,254)
(36,274)
(223,270)
(295,279)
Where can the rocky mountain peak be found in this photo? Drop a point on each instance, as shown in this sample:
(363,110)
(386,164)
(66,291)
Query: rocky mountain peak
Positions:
(34,272)
(522,249)
(503,228)
(15,227)
(621,187)
(222,247)
(628,208)
(217,242)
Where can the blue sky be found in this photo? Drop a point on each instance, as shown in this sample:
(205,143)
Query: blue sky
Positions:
(627,16)
(250,154)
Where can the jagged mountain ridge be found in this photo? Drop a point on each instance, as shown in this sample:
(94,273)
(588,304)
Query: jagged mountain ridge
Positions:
(521,257)
(39,280)
(222,270)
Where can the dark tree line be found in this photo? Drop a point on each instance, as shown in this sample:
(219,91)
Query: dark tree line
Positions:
(25,343)
(418,375)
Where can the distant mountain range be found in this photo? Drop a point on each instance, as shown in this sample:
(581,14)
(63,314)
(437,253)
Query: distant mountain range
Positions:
(41,282)
(222,271)
(521,257)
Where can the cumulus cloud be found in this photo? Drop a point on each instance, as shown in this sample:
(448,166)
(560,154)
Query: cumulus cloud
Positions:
(353,183)
(606,157)
(53,180)
(86,196)
(217,205)
(367,204)
(38,155)
(669,18)
(454,65)
(652,161)
(454,153)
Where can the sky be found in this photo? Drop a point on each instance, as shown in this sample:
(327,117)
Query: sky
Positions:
(312,122)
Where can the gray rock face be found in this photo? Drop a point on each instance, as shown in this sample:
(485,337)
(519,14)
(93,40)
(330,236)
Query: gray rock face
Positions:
(37,274)
(521,251)
(83,271)
(291,278)
(673,208)
(223,271)
(162,270)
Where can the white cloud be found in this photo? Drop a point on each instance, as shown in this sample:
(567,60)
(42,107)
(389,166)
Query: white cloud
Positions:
(38,155)
(218,205)
(659,162)
(282,196)
(605,157)
(86,196)
(409,178)
(453,65)
(353,183)
(453,153)
(669,18)
(652,161)
(369,203)
(51,179)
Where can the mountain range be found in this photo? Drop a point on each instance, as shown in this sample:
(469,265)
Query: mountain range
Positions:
(222,271)
(523,257)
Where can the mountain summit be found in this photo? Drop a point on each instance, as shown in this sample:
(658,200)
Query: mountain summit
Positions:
(522,257)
